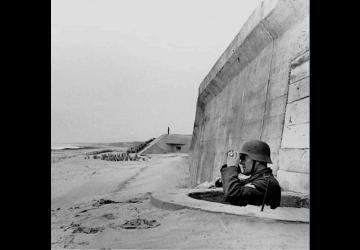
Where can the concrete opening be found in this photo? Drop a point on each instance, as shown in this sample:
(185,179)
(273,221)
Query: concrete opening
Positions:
(175,148)
(287,200)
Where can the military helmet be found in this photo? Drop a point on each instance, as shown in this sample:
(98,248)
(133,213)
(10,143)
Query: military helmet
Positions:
(256,150)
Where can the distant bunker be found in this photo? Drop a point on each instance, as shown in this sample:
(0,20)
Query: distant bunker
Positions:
(259,89)
(169,143)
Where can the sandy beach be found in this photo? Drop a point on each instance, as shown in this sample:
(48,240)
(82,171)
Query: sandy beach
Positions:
(105,204)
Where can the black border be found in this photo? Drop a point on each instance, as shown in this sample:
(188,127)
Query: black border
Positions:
(26,119)
(333,127)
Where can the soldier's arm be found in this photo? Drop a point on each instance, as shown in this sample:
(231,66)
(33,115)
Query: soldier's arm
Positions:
(236,191)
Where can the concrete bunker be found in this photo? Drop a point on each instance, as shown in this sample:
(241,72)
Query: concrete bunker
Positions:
(168,143)
(259,89)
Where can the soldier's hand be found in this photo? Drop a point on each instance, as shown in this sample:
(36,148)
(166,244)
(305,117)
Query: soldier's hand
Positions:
(233,158)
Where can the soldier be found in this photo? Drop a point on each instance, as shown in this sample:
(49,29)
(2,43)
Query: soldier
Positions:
(261,187)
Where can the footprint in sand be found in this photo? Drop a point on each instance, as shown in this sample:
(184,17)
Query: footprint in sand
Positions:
(109,216)
(139,224)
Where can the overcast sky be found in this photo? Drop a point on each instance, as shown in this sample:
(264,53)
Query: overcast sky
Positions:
(125,70)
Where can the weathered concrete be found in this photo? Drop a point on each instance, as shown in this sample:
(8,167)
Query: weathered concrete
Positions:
(294,160)
(299,90)
(297,112)
(179,199)
(294,181)
(294,152)
(245,94)
(300,68)
(296,136)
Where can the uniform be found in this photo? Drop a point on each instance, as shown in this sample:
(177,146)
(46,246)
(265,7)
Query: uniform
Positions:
(252,190)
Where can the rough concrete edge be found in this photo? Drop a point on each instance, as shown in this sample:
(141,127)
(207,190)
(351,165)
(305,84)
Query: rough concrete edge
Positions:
(261,15)
(162,200)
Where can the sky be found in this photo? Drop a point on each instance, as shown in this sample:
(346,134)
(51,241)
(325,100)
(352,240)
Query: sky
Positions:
(125,70)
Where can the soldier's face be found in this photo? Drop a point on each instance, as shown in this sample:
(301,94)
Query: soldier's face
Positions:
(246,164)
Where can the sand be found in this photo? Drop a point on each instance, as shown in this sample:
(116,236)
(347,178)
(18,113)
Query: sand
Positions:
(104,204)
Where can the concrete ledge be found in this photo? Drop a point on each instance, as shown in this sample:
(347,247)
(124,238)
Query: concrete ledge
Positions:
(178,199)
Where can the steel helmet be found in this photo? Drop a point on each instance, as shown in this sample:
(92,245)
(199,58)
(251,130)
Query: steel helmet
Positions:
(256,150)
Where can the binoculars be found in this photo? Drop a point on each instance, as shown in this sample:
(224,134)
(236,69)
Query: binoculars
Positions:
(232,152)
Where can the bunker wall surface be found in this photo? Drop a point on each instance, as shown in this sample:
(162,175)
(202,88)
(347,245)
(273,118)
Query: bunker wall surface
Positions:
(259,89)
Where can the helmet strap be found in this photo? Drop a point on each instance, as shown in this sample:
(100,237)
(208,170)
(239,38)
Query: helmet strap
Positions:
(252,168)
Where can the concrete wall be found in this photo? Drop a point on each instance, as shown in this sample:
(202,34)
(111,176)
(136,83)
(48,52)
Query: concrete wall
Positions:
(293,173)
(251,91)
